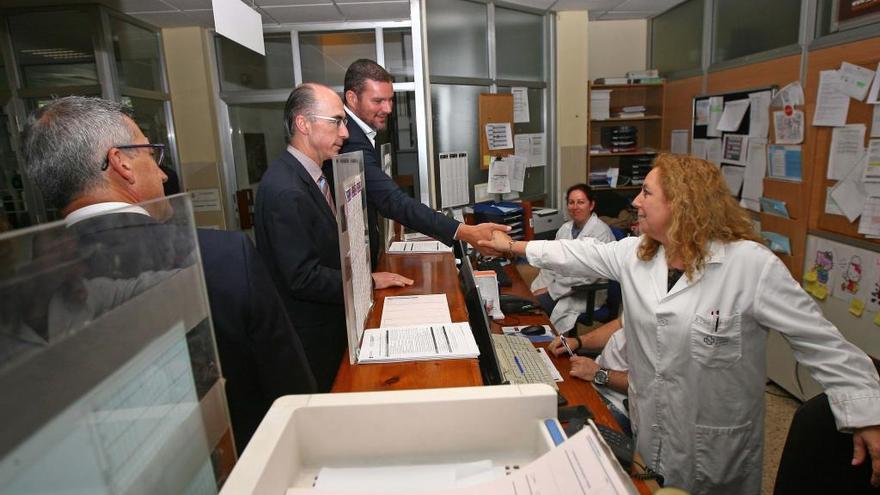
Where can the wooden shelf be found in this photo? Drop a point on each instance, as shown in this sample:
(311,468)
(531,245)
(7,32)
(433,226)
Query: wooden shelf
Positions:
(626,119)
(621,86)
(625,153)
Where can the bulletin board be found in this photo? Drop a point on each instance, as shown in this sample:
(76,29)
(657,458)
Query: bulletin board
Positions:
(494,108)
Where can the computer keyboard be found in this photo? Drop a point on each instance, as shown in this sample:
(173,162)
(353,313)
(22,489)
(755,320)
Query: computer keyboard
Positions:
(495,265)
(519,361)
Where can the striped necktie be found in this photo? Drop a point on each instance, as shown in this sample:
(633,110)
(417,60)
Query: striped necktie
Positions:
(325,190)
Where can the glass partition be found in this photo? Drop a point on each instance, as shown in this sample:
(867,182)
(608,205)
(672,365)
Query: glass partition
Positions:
(257,139)
(241,68)
(458,38)
(327,55)
(54,48)
(745,27)
(456,126)
(137,54)
(677,38)
(519,42)
(108,364)
(399,54)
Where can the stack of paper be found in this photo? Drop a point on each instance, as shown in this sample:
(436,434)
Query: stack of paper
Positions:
(412,247)
(600,104)
(631,112)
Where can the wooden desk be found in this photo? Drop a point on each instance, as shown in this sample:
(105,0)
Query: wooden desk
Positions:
(434,274)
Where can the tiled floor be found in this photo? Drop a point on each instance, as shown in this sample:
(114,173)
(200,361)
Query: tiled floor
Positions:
(780,407)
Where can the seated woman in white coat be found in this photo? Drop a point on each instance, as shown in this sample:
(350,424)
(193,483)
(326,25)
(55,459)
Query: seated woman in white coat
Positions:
(699,297)
(552,288)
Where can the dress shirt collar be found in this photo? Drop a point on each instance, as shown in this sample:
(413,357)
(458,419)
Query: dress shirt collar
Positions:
(311,167)
(101,209)
(369,131)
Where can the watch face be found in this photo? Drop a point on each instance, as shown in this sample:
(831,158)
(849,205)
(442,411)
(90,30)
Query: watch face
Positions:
(601,377)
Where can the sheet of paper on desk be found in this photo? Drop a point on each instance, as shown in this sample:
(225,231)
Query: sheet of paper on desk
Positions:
(418,343)
(583,464)
(423,309)
(418,247)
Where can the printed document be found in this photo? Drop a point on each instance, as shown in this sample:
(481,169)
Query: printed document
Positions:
(788,128)
(499,136)
(531,147)
(832,105)
(874,92)
(850,193)
(733,175)
(583,464)
(875,122)
(753,178)
(759,114)
(418,343)
(732,115)
(520,104)
(679,142)
(846,149)
(716,108)
(698,148)
(713,151)
(399,311)
(454,179)
(412,247)
(702,111)
(499,180)
(791,95)
(855,80)
(872,171)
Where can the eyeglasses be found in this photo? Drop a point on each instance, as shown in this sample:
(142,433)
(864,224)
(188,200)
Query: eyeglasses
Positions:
(157,150)
(339,121)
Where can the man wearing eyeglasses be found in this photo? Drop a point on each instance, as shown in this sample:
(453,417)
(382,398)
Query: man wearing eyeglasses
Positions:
(91,161)
(295,226)
(369,97)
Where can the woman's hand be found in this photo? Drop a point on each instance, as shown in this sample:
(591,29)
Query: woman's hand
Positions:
(558,349)
(500,242)
(583,368)
(866,446)
(538,292)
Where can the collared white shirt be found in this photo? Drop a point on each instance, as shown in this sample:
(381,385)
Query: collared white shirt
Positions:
(102,208)
(311,167)
(369,131)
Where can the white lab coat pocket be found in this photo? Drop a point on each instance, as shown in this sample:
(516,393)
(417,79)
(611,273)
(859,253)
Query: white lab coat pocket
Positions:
(716,343)
(723,457)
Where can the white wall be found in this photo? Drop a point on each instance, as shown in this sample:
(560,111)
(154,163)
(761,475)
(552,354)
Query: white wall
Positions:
(615,47)
(572,28)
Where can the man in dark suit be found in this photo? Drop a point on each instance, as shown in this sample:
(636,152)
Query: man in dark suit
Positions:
(295,226)
(91,161)
(369,96)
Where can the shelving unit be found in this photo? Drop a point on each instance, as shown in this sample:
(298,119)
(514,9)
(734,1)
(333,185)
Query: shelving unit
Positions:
(649,130)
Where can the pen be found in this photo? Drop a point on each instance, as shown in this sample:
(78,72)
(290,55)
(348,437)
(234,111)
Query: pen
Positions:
(716,320)
(519,365)
(565,344)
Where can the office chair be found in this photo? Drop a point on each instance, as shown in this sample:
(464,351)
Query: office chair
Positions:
(611,309)
(816,457)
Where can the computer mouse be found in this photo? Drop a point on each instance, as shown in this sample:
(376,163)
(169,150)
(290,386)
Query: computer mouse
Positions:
(532,330)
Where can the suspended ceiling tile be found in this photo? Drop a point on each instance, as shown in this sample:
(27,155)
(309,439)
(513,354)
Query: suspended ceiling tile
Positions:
(374,11)
(168,19)
(305,13)
(134,6)
(591,5)
(191,4)
(291,3)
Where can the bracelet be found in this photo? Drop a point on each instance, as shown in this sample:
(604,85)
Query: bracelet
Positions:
(580,344)
(510,248)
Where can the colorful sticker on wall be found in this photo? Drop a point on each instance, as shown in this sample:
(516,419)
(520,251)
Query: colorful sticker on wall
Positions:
(816,280)
(852,275)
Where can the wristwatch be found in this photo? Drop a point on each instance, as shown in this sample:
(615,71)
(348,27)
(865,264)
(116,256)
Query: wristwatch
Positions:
(601,377)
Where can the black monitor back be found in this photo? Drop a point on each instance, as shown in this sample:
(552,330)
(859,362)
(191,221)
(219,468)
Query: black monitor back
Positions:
(480,326)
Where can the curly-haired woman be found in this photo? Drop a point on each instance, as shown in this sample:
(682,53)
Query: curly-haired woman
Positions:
(699,295)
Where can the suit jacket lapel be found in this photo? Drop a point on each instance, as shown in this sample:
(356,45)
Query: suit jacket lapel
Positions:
(315,193)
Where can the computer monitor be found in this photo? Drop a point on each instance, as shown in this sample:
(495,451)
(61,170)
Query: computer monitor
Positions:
(479,321)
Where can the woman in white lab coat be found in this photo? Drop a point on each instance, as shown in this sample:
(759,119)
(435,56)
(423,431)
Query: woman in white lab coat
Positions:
(699,296)
(553,289)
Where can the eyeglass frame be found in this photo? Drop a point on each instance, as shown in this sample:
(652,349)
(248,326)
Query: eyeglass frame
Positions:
(155,146)
(339,121)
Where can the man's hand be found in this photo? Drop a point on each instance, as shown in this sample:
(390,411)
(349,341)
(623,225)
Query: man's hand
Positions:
(472,234)
(383,280)
(583,368)
(558,349)
(538,292)
(499,243)
(867,439)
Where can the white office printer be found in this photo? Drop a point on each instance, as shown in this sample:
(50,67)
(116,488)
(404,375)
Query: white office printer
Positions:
(361,439)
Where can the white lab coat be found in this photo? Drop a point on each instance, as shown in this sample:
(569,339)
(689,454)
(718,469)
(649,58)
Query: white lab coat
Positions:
(696,386)
(570,305)
(613,357)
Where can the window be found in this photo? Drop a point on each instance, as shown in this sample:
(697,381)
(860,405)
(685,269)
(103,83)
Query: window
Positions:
(326,56)
(243,69)
(399,54)
(136,50)
(746,27)
(519,42)
(677,38)
(257,138)
(458,43)
(54,48)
